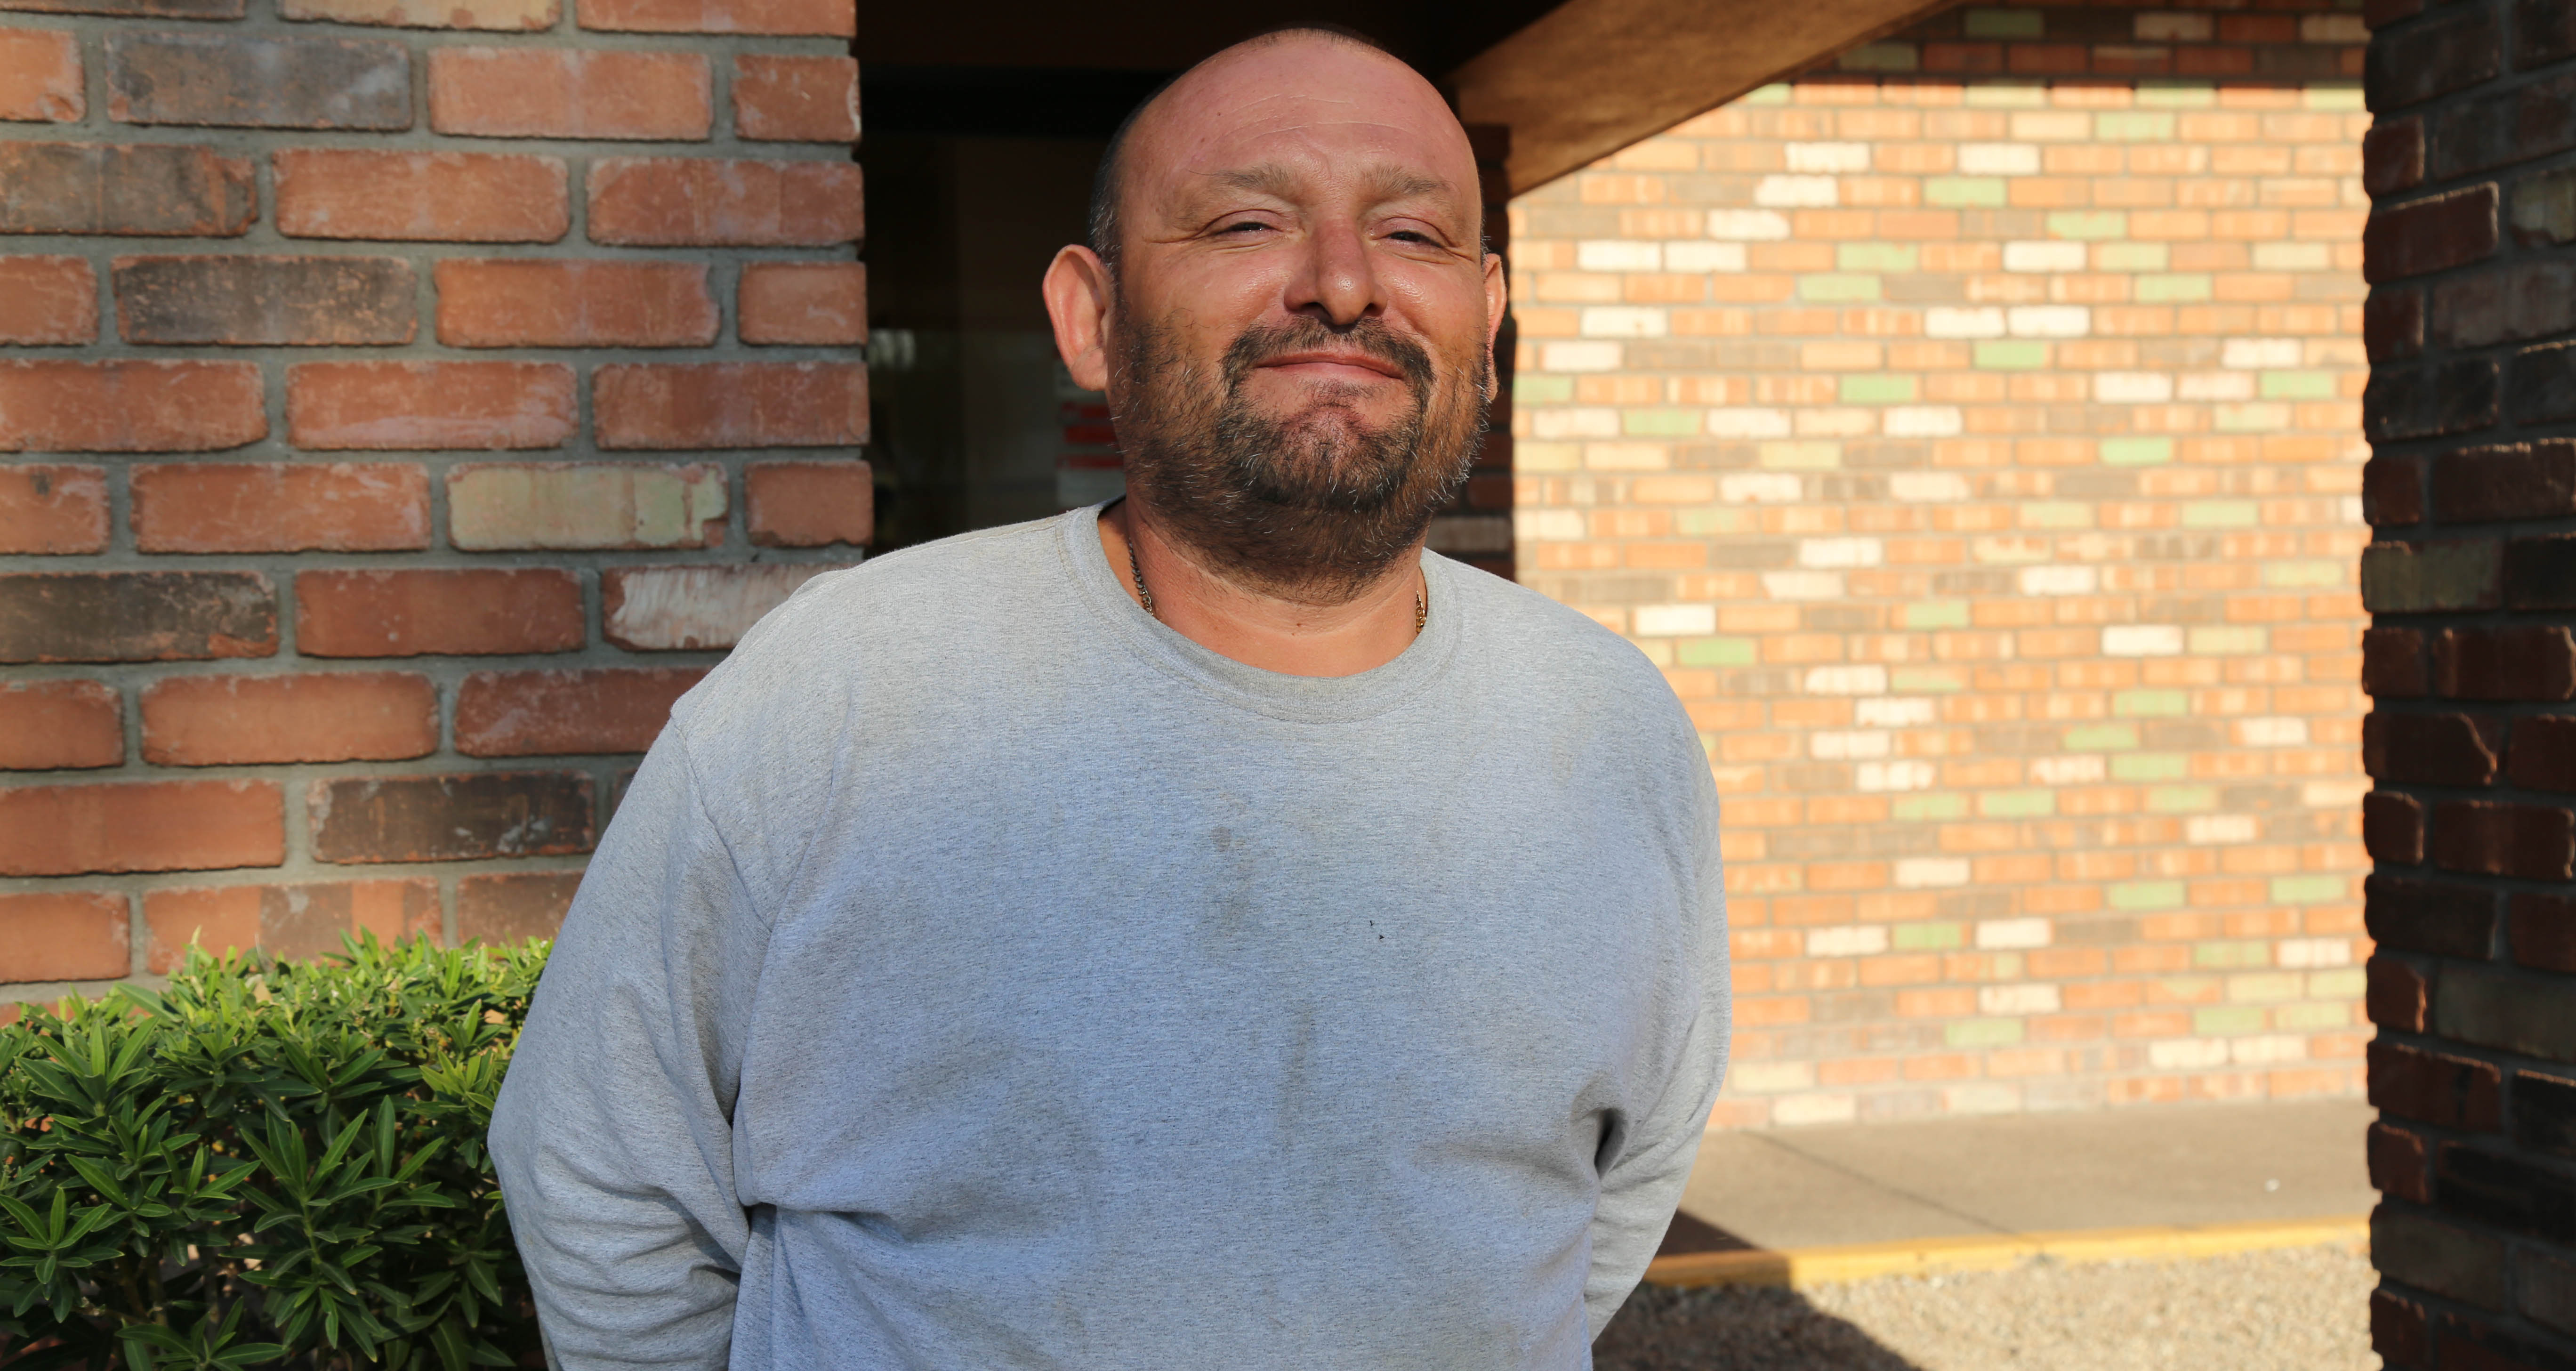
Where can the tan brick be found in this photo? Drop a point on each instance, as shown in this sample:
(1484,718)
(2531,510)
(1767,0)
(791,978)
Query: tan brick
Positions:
(495,507)
(674,608)
(525,16)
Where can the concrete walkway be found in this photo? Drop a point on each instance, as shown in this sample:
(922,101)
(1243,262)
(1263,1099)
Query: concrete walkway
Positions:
(2026,1173)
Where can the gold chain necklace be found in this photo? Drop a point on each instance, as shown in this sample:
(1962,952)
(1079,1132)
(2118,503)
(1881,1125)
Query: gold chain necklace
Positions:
(1421,606)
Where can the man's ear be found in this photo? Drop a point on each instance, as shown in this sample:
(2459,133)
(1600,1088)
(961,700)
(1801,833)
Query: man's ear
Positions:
(1497,304)
(1078,300)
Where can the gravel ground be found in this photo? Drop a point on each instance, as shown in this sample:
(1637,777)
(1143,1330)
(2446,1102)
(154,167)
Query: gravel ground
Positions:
(2299,1309)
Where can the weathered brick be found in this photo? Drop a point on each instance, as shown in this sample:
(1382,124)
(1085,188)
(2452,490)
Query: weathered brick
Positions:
(796,99)
(2431,1255)
(2427,916)
(280,507)
(542,303)
(133,9)
(2515,301)
(129,406)
(2544,209)
(674,608)
(136,616)
(2431,234)
(2508,1192)
(2428,1087)
(2427,749)
(468,817)
(731,404)
(47,300)
(2485,132)
(708,202)
(2515,1011)
(2541,930)
(2540,384)
(570,93)
(2418,578)
(450,197)
(2544,31)
(2392,156)
(2545,1290)
(498,507)
(508,909)
(2392,663)
(2396,996)
(140,190)
(429,405)
(2455,396)
(2525,662)
(2392,324)
(240,81)
(292,922)
(2536,842)
(53,510)
(2392,827)
(340,716)
(524,16)
(60,725)
(411,613)
(2392,492)
(2520,481)
(817,18)
(66,935)
(249,301)
(2543,756)
(817,303)
(72,830)
(2397,1331)
(809,504)
(2544,1113)
(40,76)
(2449,52)
(2540,573)
(2397,1164)
(567,713)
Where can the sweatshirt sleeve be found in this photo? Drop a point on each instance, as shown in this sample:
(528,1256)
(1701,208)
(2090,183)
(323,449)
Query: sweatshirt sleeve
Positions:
(1642,1185)
(613,1135)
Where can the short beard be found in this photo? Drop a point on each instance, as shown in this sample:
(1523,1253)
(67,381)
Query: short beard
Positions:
(1314,507)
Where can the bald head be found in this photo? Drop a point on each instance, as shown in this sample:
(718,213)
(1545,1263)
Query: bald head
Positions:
(1328,76)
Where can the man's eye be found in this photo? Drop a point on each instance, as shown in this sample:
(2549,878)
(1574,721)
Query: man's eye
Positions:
(1238,227)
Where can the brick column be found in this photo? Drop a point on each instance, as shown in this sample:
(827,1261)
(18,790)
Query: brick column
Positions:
(2472,740)
(401,403)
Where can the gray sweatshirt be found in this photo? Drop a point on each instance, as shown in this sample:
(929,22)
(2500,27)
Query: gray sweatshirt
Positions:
(980,975)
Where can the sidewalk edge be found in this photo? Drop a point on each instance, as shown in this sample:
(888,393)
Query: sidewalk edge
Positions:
(1797,1268)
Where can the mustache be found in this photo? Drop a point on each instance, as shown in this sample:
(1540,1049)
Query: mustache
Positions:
(1261,342)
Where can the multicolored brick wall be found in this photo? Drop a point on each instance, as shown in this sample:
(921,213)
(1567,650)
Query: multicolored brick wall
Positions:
(1973,433)
(2471,663)
(401,402)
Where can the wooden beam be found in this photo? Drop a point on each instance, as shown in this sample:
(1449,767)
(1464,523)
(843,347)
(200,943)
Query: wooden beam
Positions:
(1592,76)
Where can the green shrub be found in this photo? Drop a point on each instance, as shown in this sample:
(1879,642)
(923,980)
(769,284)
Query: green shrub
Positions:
(265,1163)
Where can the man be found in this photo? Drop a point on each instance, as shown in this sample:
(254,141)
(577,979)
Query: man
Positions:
(1209,932)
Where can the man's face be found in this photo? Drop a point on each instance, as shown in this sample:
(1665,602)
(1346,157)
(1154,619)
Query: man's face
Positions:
(1300,345)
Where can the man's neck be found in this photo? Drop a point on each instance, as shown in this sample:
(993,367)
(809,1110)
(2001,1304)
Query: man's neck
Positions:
(1251,626)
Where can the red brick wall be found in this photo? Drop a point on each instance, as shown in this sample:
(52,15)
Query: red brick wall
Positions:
(401,402)
(2471,663)
(1971,430)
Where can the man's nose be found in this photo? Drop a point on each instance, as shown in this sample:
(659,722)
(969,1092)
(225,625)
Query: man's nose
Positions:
(1338,283)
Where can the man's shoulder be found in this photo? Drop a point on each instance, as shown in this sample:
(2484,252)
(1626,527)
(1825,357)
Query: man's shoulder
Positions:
(1552,638)
(844,627)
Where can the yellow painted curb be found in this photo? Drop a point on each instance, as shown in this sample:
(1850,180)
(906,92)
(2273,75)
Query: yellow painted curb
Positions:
(1800,1267)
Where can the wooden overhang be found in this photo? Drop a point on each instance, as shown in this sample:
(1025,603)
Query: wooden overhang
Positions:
(1573,82)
